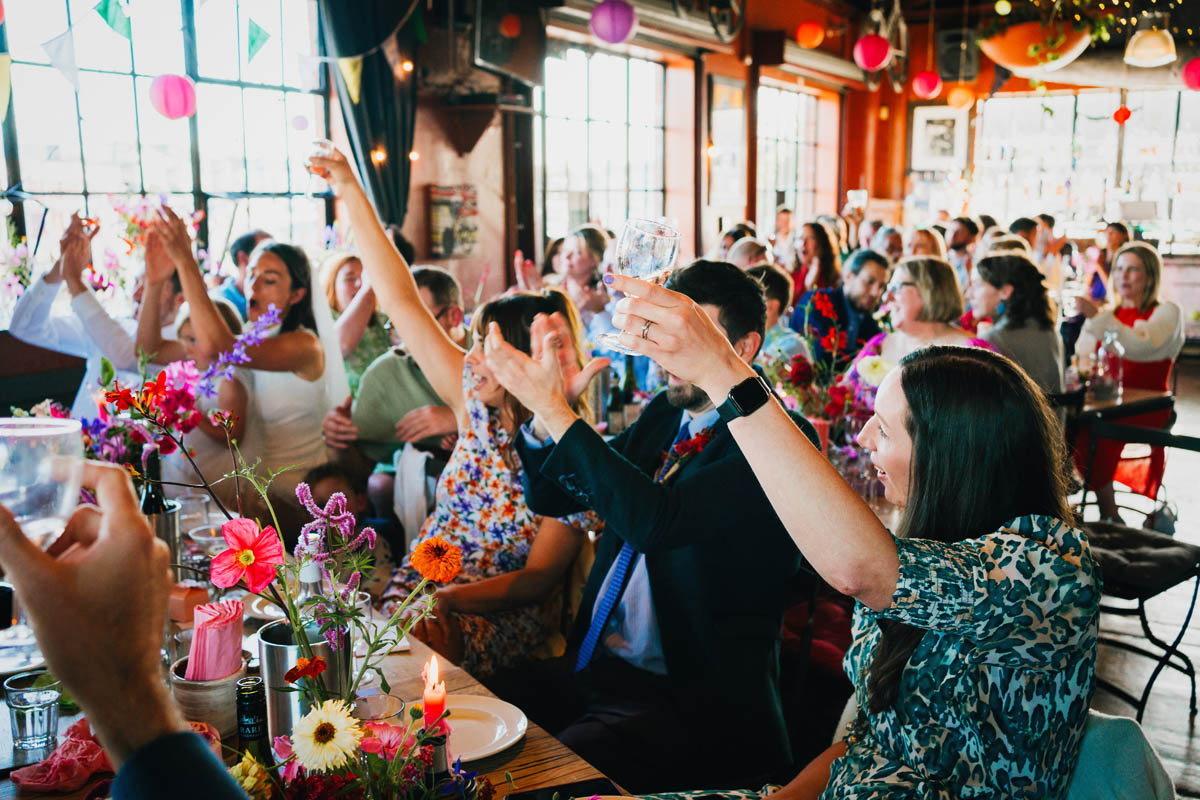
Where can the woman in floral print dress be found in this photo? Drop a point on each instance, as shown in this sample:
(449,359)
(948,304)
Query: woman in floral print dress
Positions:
(480,504)
(974,635)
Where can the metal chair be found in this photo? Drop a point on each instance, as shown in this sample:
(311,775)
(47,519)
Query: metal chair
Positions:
(1137,565)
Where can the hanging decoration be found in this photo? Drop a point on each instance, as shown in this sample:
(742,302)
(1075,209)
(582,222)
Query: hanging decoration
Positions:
(1152,45)
(810,34)
(1122,115)
(1003,7)
(1191,75)
(5,69)
(256,38)
(173,96)
(872,52)
(961,95)
(114,16)
(613,21)
(927,84)
(510,26)
(351,69)
(300,122)
(883,46)
(61,52)
(1,12)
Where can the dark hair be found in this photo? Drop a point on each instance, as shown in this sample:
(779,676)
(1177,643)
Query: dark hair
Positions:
(784,210)
(829,259)
(514,313)
(735,232)
(976,419)
(177,282)
(444,287)
(776,284)
(740,297)
(863,256)
(1122,227)
(1046,218)
(1022,226)
(971,225)
(299,315)
(941,229)
(838,229)
(1028,302)
(246,243)
(335,470)
(552,250)
(988,221)
(404,246)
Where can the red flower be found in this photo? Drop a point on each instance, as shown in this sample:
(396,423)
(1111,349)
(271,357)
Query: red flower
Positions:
(166,445)
(692,446)
(834,340)
(253,554)
(801,373)
(824,305)
(122,397)
(305,668)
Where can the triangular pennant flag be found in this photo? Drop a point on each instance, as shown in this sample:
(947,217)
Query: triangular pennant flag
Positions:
(254,42)
(115,17)
(61,50)
(351,69)
(5,67)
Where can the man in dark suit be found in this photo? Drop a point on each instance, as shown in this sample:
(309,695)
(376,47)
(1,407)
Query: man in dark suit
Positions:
(675,651)
(864,280)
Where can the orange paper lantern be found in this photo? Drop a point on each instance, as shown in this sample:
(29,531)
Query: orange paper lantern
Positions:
(1122,115)
(960,97)
(510,26)
(810,34)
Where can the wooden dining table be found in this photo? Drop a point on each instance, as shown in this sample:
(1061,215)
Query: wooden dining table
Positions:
(1130,402)
(538,761)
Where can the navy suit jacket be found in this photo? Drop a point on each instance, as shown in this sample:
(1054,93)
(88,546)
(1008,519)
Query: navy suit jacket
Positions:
(860,327)
(719,561)
(179,766)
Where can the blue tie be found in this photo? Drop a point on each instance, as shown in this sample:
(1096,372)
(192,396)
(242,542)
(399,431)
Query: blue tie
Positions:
(615,587)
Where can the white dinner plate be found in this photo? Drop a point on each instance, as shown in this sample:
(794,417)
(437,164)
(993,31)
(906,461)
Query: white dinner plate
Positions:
(20,659)
(483,726)
(261,608)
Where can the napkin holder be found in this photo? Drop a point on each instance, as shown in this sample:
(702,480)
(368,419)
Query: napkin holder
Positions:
(214,702)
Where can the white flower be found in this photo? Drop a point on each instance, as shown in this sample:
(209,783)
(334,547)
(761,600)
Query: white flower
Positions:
(873,369)
(326,737)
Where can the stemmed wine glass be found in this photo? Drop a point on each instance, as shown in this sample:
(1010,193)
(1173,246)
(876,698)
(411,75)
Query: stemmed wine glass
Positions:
(41,467)
(645,250)
(317,185)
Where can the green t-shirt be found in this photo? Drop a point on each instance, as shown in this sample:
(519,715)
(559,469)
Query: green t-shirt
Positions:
(374,343)
(391,386)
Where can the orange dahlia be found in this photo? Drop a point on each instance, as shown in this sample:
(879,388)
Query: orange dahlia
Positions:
(437,560)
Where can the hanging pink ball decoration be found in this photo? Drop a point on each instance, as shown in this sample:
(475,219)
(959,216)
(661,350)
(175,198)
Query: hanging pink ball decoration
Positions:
(173,96)
(872,52)
(927,84)
(613,21)
(1191,74)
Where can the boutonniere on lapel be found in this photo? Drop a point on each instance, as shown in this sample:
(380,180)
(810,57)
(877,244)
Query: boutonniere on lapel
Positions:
(681,452)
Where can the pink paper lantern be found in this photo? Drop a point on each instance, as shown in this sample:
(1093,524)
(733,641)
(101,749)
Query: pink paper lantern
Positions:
(173,96)
(614,21)
(872,52)
(1191,74)
(927,84)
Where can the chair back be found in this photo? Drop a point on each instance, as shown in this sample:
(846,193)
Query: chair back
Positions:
(1117,762)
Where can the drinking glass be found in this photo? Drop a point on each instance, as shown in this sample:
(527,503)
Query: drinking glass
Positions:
(33,709)
(1069,295)
(210,539)
(645,250)
(317,184)
(41,466)
(194,510)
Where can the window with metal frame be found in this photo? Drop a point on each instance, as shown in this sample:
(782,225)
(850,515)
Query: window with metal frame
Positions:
(787,163)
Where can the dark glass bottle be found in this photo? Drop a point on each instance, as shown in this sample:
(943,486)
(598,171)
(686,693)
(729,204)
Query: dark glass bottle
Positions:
(252,720)
(153,499)
(614,411)
(629,390)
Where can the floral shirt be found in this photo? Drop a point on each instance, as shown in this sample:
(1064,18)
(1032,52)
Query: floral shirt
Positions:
(994,699)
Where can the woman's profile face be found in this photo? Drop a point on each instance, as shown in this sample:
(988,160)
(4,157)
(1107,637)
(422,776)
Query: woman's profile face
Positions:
(903,298)
(579,261)
(983,297)
(1130,278)
(267,282)
(483,380)
(885,437)
(920,244)
(808,243)
(347,283)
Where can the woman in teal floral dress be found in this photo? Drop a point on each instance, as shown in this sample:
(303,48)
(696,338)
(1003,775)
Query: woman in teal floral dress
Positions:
(974,634)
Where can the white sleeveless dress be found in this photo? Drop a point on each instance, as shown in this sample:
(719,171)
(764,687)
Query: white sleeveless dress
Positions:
(287,412)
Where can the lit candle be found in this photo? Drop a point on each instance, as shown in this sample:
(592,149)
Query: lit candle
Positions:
(433,700)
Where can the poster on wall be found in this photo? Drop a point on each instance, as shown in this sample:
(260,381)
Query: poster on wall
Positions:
(453,220)
(939,139)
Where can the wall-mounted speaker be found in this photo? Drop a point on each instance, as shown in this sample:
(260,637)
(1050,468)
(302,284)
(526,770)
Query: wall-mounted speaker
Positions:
(950,54)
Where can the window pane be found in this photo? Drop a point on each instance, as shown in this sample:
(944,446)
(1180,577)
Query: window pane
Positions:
(606,90)
(300,36)
(558,222)
(645,158)
(49,214)
(109,133)
(157,37)
(566,154)
(272,214)
(305,121)
(47,136)
(606,150)
(28,23)
(97,46)
(219,115)
(645,93)
(267,66)
(166,147)
(265,159)
(217,40)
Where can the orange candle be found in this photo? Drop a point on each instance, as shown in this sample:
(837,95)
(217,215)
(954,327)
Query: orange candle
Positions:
(433,699)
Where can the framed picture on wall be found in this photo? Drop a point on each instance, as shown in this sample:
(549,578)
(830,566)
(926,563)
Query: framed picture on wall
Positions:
(939,139)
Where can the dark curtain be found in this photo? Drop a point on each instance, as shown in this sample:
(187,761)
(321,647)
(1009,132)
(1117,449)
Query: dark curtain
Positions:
(386,108)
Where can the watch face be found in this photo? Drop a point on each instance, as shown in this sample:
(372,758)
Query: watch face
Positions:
(748,396)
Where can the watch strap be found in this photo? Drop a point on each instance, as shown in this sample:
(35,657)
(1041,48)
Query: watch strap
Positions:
(745,398)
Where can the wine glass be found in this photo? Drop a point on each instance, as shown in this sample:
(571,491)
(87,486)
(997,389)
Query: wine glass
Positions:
(645,250)
(317,185)
(41,467)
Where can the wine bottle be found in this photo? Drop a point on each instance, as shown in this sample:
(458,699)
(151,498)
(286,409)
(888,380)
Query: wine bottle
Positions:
(252,720)
(153,499)
(615,411)
(629,390)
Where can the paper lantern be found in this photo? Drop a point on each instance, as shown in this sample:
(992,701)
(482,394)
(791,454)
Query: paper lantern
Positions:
(1,12)
(173,96)
(300,122)
(810,34)
(1122,115)
(510,26)
(872,52)
(1003,7)
(960,97)
(613,21)
(1191,74)
(927,84)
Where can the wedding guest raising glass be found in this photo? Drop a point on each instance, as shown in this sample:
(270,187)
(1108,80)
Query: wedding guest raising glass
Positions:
(645,250)
(41,466)
(317,186)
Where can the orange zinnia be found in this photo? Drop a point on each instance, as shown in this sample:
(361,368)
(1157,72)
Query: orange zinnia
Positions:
(305,668)
(437,560)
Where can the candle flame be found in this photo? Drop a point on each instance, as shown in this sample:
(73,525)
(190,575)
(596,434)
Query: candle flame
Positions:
(431,672)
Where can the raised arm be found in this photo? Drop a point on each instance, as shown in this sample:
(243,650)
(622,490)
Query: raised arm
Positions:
(159,268)
(353,322)
(111,338)
(435,352)
(808,495)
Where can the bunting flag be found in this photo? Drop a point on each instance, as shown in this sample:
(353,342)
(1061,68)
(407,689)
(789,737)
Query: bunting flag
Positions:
(255,40)
(5,67)
(351,69)
(61,51)
(115,17)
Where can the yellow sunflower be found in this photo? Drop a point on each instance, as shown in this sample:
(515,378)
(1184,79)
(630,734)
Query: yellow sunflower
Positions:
(252,777)
(326,737)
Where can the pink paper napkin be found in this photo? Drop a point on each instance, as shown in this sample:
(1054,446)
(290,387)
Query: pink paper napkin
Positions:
(69,767)
(216,650)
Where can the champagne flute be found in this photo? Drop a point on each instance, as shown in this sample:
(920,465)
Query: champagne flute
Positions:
(645,250)
(41,467)
(317,177)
